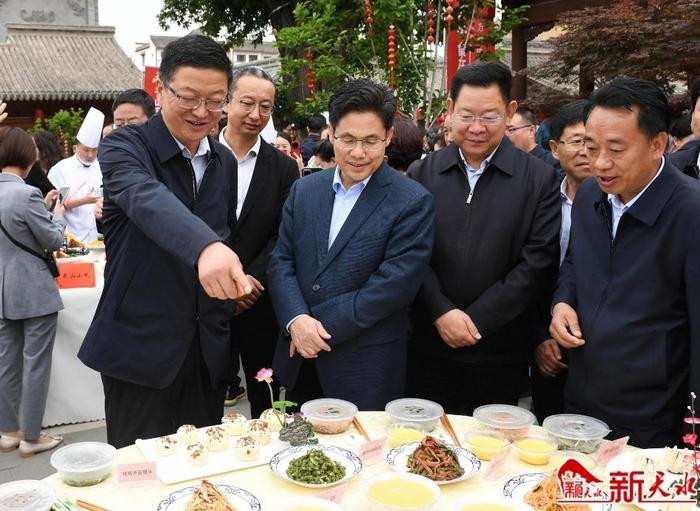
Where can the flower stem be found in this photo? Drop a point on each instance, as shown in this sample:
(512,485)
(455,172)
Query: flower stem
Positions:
(274,410)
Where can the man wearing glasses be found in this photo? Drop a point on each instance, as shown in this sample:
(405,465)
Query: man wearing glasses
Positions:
(353,247)
(522,131)
(160,335)
(264,178)
(497,215)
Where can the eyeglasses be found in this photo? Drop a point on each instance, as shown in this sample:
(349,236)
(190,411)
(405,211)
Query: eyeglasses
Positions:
(488,119)
(512,129)
(249,105)
(573,144)
(368,144)
(191,103)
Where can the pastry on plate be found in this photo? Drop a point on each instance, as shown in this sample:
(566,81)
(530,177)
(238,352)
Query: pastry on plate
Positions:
(197,455)
(165,446)
(259,430)
(234,423)
(187,434)
(215,439)
(247,449)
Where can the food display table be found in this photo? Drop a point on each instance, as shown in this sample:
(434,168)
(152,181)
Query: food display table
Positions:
(272,491)
(75,391)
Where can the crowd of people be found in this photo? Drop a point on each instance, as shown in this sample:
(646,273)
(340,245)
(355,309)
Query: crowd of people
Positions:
(369,260)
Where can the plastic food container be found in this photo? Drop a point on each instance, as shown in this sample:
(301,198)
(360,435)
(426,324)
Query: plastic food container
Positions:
(26,495)
(400,491)
(329,416)
(486,443)
(84,463)
(535,449)
(417,411)
(400,433)
(576,432)
(512,421)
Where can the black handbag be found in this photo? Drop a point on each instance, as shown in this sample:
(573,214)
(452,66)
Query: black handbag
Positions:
(47,256)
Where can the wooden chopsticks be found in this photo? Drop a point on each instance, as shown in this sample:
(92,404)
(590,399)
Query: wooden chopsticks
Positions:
(89,506)
(447,426)
(360,429)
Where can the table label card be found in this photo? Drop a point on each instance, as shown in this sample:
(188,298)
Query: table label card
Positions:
(497,467)
(609,449)
(372,451)
(335,494)
(75,275)
(128,473)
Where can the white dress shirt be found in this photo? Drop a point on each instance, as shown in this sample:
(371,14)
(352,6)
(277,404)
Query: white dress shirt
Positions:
(619,208)
(565,233)
(246,166)
(473,174)
(199,160)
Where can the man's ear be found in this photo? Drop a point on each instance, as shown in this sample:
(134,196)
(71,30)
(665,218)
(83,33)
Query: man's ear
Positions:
(510,109)
(554,148)
(658,144)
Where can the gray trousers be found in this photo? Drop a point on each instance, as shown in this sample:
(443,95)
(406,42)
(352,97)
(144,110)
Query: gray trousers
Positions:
(26,346)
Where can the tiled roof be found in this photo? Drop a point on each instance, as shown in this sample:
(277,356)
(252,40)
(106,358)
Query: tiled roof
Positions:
(49,62)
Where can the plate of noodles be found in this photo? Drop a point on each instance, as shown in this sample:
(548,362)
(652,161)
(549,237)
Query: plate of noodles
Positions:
(541,490)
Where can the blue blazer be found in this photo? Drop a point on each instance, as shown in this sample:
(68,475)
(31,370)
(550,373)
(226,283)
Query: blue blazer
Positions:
(360,289)
(156,224)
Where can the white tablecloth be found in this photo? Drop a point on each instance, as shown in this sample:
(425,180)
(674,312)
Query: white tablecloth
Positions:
(75,391)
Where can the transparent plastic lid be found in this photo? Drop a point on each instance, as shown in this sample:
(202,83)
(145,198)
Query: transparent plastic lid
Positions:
(26,496)
(414,409)
(329,409)
(83,457)
(504,416)
(576,427)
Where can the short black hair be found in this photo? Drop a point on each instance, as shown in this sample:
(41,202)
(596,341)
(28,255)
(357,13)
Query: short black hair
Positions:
(257,72)
(194,50)
(568,115)
(624,93)
(138,97)
(316,123)
(483,74)
(527,114)
(17,148)
(324,149)
(694,93)
(406,144)
(282,134)
(363,95)
(680,126)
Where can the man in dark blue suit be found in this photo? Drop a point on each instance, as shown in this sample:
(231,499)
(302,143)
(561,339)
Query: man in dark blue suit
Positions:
(353,248)
(160,335)
(628,301)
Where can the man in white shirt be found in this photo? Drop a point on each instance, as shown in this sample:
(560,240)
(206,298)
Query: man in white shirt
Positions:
(628,301)
(81,174)
(264,178)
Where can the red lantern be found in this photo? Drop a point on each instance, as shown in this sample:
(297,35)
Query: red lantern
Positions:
(431,22)
(310,73)
(392,54)
(369,20)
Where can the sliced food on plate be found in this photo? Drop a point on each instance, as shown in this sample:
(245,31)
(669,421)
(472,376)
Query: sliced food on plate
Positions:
(434,460)
(208,498)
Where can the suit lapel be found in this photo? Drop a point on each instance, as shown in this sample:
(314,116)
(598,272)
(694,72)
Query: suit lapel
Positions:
(370,198)
(326,198)
(261,174)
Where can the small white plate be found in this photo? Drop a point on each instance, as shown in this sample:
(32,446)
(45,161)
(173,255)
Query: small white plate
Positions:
(240,499)
(398,459)
(279,463)
(26,495)
(518,486)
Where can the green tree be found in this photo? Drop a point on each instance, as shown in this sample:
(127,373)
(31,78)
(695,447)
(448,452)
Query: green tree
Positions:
(658,41)
(64,125)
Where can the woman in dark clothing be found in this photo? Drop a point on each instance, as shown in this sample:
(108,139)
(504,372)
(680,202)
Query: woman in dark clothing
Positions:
(48,154)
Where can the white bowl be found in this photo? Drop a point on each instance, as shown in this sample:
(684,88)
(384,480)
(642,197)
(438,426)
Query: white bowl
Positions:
(26,495)
(84,463)
(375,505)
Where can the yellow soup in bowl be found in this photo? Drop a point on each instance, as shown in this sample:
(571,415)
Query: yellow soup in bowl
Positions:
(535,451)
(401,493)
(486,447)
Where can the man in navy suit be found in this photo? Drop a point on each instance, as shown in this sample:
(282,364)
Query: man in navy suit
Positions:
(353,248)
(628,302)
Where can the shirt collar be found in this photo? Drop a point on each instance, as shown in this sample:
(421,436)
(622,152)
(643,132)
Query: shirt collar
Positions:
(338,183)
(562,191)
(252,153)
(203,149)
(617,203)
(484,163)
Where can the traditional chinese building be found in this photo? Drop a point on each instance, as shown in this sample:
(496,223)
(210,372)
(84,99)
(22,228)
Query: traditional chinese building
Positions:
(54,55)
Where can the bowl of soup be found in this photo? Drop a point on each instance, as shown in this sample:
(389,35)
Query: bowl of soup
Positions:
(485,443)
(535,449)
(400,491)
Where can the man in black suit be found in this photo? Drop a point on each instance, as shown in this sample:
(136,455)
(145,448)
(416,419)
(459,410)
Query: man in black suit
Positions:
(497,216)
(687,158)
(628,301)
(160,335)
(264,178)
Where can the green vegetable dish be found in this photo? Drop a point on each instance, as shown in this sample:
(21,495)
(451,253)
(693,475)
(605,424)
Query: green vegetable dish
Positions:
(315,467)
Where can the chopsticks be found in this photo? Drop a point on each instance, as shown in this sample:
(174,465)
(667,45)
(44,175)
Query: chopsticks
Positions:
(360,429)
(447,426)
(89,506)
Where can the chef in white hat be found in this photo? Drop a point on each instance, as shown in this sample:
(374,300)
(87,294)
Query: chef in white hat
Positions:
(81,180)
